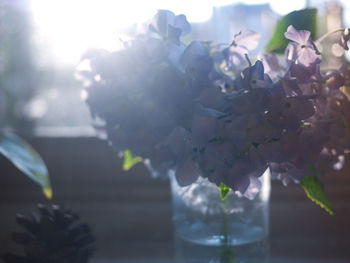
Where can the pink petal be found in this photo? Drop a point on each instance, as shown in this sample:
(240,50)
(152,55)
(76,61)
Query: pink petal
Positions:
(248,39)
(301,37)
(307,56)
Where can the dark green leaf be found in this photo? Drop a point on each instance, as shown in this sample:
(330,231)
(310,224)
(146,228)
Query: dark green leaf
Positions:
(129,160)
(314,190)
(224,190)
(305,19)
(26,159)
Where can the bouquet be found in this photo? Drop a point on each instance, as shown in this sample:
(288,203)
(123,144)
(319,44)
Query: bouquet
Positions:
(209,110)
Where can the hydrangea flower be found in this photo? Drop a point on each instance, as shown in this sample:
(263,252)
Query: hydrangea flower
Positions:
(242,43)
(169,26)
(302,50)
(178,107)
(302,54)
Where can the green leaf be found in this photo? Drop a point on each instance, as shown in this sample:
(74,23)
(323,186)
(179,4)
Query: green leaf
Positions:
(26,159)
(129,160)
(224,190)
(304,19)
(314,190)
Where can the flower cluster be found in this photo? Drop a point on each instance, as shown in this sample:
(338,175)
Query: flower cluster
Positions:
(187,109)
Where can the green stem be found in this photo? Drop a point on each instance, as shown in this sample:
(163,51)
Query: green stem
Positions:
(329,34)
(227,251)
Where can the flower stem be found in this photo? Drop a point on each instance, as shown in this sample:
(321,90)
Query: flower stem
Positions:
(227,250)
(329,34)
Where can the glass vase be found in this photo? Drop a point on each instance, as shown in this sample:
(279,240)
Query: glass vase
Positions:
(211,230)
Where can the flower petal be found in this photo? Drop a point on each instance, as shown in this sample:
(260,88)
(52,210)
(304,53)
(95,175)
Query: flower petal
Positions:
(302,37)
(187,172)
(248,39)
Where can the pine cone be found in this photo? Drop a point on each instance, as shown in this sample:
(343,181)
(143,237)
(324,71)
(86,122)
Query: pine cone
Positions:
(53,235)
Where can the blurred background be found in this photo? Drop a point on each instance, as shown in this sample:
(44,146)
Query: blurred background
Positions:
(41,43)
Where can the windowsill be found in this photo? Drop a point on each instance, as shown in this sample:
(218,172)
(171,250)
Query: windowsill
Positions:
(64,131)
(130,212)
(272,260)
(54,131)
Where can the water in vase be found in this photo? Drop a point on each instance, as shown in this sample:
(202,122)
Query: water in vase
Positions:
(209,230)
(189,252)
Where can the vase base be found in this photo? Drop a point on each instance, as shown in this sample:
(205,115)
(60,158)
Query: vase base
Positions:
(190,252)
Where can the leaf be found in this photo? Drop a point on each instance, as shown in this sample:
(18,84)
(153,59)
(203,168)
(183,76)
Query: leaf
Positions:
(314,190)
(304,19)
(26,159)
(224,190)
(129,160)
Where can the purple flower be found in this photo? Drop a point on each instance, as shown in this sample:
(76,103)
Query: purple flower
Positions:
(196,60)
(187,172)
(176,152)
(205,127)
(302,50)
(213,161)
(169,26)
(213,98)
(254,77)
(243,179)
(271,64)
(242,43)
(301,54)
(253,101)
(335,79)
(184,109)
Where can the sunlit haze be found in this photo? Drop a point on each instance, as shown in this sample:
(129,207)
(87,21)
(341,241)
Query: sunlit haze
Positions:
(70,27)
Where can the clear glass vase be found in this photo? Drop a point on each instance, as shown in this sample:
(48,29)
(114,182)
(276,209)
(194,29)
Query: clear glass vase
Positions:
(209,230)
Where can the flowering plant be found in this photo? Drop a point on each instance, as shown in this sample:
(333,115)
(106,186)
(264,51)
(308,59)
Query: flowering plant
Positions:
(187,108)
